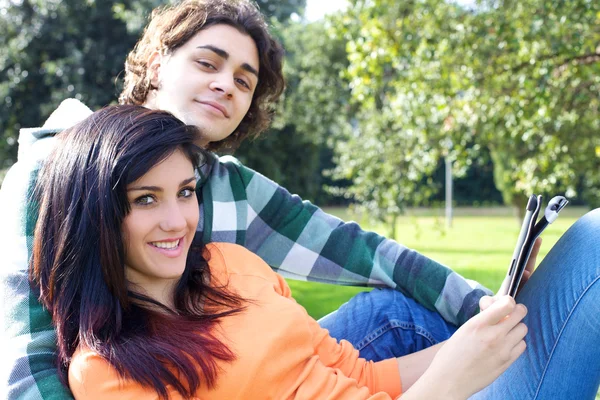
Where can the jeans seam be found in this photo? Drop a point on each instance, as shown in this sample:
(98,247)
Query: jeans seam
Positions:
(393,324)
(537,392)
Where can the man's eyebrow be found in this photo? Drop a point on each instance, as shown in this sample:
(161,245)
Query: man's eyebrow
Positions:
(220,52)
(250,69)
(159,189)
(225,55)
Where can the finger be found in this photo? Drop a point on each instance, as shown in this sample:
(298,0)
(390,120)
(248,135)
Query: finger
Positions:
(499,309)
(515,317)
(517,334)
(530,267)
(524,279)
(534,253)
(517,351)
(513,354)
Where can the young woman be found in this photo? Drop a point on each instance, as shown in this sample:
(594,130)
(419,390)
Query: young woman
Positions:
(143,310)
(214,65)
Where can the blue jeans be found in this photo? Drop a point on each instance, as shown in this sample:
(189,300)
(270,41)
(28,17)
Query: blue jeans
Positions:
(384,323)
(562,360)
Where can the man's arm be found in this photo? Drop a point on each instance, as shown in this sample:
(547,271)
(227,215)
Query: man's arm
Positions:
(300,241)
(28,335)
(29,340)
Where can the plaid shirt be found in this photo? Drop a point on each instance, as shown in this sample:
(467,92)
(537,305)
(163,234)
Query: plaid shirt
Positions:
(238,205)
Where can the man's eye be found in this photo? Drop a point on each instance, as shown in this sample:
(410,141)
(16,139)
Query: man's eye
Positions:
(243,83)
(145,200)
(206,65)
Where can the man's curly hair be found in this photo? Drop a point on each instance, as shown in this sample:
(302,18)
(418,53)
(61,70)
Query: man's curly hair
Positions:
(171,27)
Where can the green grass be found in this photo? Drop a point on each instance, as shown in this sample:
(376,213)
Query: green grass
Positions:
(478,246)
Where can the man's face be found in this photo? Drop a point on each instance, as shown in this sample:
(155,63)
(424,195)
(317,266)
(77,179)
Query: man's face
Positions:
(208,82)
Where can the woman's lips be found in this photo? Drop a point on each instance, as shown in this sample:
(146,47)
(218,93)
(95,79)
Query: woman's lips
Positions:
(169,252)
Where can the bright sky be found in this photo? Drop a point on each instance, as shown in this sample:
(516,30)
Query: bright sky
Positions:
(316,9)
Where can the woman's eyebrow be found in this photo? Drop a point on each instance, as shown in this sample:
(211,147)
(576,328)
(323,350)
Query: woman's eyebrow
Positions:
(225,55)
(148,188)
(158,188)
(188,180)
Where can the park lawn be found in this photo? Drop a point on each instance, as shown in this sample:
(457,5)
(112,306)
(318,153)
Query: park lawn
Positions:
(478,246)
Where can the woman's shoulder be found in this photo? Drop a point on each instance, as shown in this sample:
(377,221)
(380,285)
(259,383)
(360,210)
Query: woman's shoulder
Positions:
(90,373)
(235,259)
(92,377)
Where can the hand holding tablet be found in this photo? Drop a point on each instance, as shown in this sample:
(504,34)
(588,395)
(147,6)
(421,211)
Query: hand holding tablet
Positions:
(530,230)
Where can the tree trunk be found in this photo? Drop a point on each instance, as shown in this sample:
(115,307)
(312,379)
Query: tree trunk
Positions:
(392,228)
(518,208)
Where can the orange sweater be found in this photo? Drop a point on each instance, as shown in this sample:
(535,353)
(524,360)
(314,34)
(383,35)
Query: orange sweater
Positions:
(282,353)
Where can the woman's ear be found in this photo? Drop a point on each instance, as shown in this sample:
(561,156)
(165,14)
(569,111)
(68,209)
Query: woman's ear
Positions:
(154,63)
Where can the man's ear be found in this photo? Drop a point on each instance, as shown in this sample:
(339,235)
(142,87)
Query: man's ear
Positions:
(154,63)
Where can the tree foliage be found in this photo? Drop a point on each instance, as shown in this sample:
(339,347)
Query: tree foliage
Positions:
(432,79)
(314,111)
(54,49)
(403,99)
(538,98)
(281,10)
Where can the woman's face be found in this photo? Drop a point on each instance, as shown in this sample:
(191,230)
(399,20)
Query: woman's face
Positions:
(208,82)
(160,227)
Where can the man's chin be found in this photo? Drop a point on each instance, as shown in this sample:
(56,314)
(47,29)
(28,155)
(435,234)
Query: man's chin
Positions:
(206,139)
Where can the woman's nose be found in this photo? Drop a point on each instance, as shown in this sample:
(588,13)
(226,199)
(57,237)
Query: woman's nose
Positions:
(173,219)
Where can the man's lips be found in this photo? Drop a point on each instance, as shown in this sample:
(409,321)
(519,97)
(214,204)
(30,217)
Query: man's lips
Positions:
(216,106)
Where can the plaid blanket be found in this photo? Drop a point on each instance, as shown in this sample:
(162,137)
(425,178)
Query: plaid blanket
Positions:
(238,205)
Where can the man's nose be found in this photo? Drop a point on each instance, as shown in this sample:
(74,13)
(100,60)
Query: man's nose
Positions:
(224,84)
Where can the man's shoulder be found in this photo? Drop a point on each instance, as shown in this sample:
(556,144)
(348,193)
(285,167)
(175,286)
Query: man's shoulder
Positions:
(34,146)
(229,163)
(229,166)
(226,169)
(67,114)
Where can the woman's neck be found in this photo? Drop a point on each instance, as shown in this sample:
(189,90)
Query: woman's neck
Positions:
(160,293)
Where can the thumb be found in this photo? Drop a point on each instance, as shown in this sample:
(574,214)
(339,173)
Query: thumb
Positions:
(485,302)
(500,308)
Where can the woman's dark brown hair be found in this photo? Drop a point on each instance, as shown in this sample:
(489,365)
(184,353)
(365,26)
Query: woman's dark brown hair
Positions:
(78,261)
(171,27)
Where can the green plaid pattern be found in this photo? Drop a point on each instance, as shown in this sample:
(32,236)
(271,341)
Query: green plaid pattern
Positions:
(238,205)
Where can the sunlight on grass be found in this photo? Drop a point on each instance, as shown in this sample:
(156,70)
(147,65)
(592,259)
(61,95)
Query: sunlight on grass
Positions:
(478,246)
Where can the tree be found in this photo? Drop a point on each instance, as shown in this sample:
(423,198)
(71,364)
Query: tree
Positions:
(432,79)
(313,111)
(403,101)
(55,50)
(282,10)
(535,94)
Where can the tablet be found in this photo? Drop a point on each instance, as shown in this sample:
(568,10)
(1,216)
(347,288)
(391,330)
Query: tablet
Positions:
(530,230)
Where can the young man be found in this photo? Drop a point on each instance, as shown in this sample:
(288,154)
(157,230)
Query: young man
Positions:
(213,64)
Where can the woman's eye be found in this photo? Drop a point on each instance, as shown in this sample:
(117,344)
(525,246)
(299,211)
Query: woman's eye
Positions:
(145,200)
(187,192)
